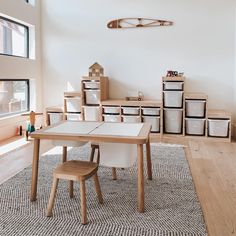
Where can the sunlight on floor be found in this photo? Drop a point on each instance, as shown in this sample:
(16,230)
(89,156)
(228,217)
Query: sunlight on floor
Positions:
(13,146)
(55,151)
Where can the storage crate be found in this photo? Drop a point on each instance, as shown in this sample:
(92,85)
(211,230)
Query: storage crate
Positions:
(91,113)
(131,119)
(131,110)
(154,121)
(173,85)
(123,155)
(173,121)
(91,84)
(92,97)
(218,127)
(55,117)
(111,118)
(111,109)
(71,116)
(151,111)
(195,108)
(73,104)
(195,126)
(173,99)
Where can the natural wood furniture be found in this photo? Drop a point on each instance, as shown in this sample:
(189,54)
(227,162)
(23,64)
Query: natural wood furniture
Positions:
(75,171)
(57,110)
(97,132)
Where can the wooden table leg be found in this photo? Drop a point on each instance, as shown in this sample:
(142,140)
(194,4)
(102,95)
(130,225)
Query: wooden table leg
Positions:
(35,164)
(149,161)
(140,179)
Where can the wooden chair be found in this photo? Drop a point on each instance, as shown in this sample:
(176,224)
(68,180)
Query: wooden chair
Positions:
(75,171)
(92,154)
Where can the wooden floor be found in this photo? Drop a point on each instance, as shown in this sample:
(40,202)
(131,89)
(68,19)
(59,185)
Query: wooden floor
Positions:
(213,167)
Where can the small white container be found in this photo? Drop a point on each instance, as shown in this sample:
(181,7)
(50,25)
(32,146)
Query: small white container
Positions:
(154,121)
(173,85)
(131,110)
(195,108)
(131,119)
(111,118)
(73,104)
(92,97)
(91,84)
(71,116)
(55,117)
(195,126)
(218,128)
(91,113)
(117,155)
(155,111)
(111,110)
(173,121)
(173,99)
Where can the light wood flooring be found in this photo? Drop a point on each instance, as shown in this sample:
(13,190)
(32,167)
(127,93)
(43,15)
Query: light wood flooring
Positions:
(213,167)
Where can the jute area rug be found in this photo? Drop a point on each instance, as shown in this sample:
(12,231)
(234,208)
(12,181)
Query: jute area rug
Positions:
(171,204)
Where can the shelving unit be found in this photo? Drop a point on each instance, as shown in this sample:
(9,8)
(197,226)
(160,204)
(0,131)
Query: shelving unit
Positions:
(94,90)
(133,111)
(195,114)
(72,105)
(54,114)
(173,105)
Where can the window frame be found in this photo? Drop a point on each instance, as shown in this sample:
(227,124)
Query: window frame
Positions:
(28,98)
(26,40)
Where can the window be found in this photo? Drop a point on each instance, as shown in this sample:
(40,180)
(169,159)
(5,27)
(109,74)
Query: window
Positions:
(14,38)
(14,96)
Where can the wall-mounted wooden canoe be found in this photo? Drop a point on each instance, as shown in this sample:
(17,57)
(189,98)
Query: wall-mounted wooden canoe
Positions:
(136,23)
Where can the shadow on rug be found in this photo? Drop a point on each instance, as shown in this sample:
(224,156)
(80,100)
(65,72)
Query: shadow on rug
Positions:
(171,204)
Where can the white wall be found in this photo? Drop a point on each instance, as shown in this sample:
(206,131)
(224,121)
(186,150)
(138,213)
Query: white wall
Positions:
(201,43)
(20,68)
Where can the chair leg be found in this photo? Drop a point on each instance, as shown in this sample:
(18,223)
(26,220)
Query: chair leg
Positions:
(64,154)
(98,156)
(71,188)
(114,176)
(52,197)
(98,189)
(83,202)
(92,153)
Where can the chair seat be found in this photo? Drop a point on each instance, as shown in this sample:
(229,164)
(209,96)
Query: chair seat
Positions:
(76,170)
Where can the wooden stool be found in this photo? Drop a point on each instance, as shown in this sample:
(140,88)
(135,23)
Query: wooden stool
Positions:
(94,147)
(75,171)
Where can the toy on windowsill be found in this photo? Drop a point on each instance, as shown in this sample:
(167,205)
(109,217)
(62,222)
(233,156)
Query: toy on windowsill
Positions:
(135,98)
(31,123)
(172,73)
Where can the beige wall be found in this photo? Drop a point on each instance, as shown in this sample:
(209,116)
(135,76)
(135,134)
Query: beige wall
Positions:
(20,68)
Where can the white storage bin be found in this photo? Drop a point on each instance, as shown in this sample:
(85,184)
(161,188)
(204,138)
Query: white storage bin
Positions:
(76,117)
(218,128)
(151,111)
(131,110)
(117,155)
(195,126)
(92,97)
(131,119)
(91,113)
(173,85)
(55,118)
(173,99)
(111,110)
(195,108)
(111,118)
(91,84)
(73,104)
(173,120)
(154,121)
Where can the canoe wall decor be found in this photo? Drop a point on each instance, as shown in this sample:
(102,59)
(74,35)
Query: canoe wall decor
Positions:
(137,23)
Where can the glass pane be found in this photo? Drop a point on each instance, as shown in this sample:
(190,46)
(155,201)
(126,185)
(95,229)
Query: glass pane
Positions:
(13,97)
(13,38)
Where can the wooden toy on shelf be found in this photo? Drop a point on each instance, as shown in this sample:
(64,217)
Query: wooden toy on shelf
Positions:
(31,122)
(96,70)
